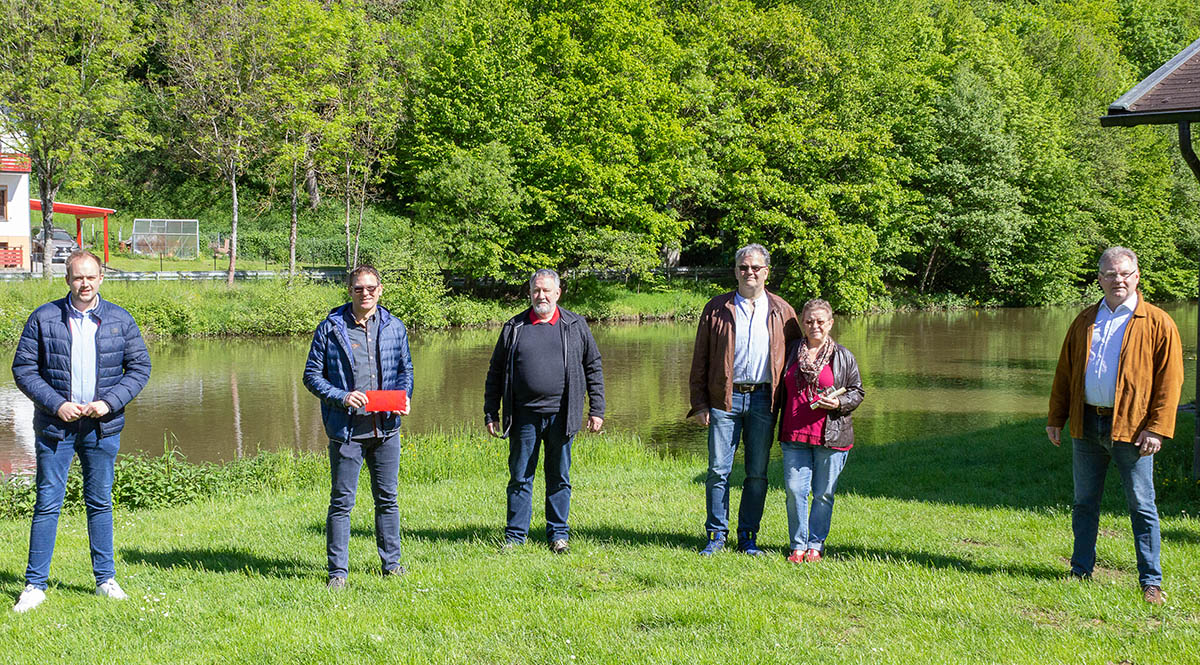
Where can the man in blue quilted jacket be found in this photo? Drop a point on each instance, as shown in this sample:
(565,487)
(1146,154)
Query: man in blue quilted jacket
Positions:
(360,346)
(81,360)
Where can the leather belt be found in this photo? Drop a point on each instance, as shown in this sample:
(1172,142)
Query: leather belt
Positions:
(748,387)
(1098,410)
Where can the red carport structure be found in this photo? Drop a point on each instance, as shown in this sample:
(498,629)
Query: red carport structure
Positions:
(81,212)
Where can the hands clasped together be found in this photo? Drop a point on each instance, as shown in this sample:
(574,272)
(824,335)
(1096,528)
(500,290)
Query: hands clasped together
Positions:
(70,411)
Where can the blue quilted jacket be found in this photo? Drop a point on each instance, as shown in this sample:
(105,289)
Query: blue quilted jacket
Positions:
(329,372)
(42,366)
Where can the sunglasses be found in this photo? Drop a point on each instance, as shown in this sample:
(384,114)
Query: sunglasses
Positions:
(753,269)
(365,289)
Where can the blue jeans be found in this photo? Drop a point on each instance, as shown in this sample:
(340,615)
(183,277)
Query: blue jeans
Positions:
(808,468)
(382,457)
(97,456)
(529,432)
(1091,455)
(751,420)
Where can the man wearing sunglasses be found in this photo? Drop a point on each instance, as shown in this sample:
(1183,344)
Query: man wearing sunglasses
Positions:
(736,365)
(360,346)
(1118,381)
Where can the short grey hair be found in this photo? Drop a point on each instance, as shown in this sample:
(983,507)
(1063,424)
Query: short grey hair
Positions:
(817,303)
(752,248)
(1112,254)
(542,273)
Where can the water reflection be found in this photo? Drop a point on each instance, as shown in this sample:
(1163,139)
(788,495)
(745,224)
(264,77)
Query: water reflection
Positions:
(924,373)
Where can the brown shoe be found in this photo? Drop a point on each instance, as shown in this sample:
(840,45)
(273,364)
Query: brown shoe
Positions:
(1152,594)
(560,546)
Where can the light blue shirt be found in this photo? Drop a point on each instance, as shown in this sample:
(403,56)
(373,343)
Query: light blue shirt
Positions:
(83,352)
(752,344)
(1100,376)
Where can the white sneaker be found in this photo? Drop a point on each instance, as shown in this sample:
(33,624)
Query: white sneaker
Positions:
(111,589)
(30,598)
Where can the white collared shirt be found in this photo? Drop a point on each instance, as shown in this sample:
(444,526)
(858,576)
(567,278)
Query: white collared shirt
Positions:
(83,352)
(752,344)
(1104,356)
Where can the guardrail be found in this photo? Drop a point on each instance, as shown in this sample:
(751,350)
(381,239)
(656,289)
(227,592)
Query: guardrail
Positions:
(190,275)
(339,274)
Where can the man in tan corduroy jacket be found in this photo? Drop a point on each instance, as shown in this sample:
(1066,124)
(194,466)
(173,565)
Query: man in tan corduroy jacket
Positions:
(1118,381)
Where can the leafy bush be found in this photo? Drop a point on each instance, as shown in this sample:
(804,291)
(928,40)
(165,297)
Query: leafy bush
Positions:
(143,481)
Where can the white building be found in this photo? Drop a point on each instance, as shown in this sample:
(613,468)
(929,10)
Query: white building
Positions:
(15,243)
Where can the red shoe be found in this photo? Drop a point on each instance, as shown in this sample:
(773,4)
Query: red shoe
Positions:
(797,556)
(812,556)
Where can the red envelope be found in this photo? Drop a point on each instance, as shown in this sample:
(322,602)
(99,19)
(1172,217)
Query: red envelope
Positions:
(386,400)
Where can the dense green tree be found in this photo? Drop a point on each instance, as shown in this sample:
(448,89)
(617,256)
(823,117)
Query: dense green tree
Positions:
(66,97)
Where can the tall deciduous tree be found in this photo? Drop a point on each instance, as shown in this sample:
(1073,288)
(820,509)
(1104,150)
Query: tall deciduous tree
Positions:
(308,51)
(66,97)
(216,58)
(362,132)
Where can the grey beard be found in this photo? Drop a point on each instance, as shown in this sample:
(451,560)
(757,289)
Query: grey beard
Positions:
(542,308)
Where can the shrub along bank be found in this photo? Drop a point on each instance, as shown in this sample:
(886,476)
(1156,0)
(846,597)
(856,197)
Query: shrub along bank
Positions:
(262,308)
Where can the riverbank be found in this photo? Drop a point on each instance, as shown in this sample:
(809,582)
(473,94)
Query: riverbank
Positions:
(266,308)
(945,549)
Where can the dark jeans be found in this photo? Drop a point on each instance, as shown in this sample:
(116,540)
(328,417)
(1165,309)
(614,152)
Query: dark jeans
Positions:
(96,458)
(345,462)
(529,432)
(1091,457)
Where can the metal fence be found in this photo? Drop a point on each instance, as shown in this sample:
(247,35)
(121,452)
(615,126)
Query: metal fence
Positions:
(179,238)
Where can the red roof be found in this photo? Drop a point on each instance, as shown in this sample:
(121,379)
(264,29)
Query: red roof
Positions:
(76,209)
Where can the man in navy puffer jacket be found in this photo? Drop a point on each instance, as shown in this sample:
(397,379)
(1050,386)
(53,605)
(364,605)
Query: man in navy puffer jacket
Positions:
(360,346)
(81,360)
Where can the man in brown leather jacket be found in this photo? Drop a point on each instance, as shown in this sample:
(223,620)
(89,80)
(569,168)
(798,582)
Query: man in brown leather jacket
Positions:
(736,365)
(1118,381)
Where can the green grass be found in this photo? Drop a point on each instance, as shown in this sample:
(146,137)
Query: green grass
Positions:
(131,263)
(944,550)
(611,301)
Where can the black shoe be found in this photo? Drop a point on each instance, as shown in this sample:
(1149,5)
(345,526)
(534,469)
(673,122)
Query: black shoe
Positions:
(395,572)
(747,545)
(560,546)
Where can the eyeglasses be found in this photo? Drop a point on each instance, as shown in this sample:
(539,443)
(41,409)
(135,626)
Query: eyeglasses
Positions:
(365,289)
(1113,275)
(753,269)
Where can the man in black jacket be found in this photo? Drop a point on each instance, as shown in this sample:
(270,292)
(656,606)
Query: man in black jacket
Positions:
(544,362)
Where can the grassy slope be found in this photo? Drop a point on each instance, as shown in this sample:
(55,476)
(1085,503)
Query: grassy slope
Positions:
(943,550)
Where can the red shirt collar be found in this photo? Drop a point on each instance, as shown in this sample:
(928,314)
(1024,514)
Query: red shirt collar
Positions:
(533,317)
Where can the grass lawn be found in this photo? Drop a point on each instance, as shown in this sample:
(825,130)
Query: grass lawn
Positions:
(134,263)
(944,550)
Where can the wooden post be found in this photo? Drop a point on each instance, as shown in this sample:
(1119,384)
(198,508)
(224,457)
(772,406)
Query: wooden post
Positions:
(1189,156)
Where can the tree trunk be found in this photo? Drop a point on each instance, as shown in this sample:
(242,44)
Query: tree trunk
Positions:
(47,191)
(928,269)
(312,187)
(362,202)
(349,266)
(292,235)
(233,243)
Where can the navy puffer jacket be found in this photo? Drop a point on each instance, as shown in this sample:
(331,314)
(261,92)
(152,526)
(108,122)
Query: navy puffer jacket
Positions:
(42,366)
(329,372)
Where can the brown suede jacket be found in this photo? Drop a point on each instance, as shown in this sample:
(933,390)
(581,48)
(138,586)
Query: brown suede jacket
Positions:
(1149,374)
(711,379)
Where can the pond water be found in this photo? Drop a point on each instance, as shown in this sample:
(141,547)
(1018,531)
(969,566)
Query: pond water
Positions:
(941,372)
